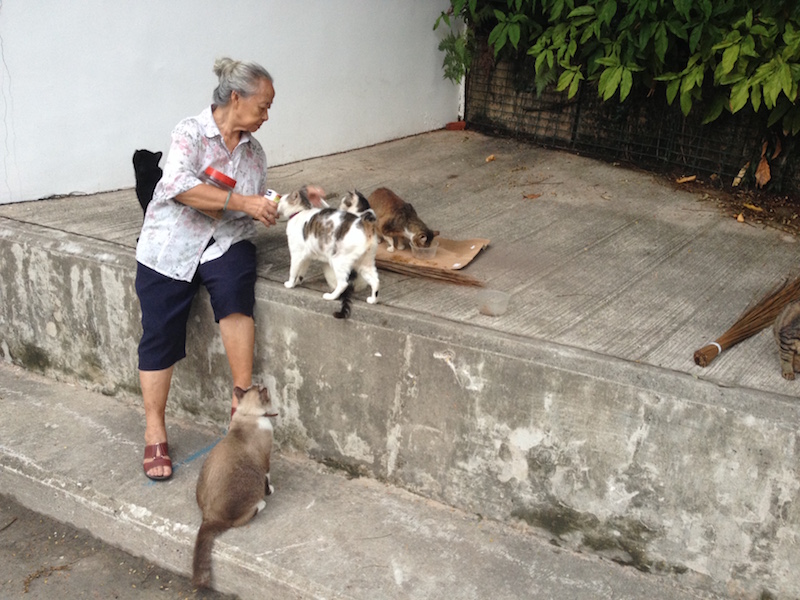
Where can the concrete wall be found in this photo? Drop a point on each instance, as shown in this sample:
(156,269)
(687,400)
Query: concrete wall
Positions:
(84,84)
(638,464)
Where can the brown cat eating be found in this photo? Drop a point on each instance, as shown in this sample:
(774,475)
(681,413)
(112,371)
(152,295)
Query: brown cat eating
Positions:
(235,476)
(398,221)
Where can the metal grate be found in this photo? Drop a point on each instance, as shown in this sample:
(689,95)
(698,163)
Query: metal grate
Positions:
(644,131)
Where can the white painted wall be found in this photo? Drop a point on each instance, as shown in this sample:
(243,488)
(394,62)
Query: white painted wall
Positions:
(85,83)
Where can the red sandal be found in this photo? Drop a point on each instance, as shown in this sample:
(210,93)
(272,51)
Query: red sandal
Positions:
(158,455)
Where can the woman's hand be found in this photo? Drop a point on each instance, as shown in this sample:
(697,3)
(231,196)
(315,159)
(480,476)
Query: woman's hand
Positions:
(316,195)
(213,202)
(262,209)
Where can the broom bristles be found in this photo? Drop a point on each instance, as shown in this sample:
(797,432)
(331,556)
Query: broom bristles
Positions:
(759,316)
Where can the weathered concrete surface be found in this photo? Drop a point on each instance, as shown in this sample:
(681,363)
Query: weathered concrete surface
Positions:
(567,425)
(74,454)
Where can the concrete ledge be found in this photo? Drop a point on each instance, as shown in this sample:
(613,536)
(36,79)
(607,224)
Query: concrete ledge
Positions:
(648,467)
(75,455)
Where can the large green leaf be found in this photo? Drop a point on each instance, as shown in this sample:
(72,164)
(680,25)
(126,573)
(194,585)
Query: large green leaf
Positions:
(609,81)
(729,58)
(716,108)
(575,85)
(607,12)
(686,103)
(672,90)
(514,34)
(683,7)
(739,96)
(787,83)
(565,80)
(661,41)
(581,11)
(625,84)
(694,38)
(755,97)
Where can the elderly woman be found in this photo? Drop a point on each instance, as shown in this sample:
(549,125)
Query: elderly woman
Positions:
(195,233)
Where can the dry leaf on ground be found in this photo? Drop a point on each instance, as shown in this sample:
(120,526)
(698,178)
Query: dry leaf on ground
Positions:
(738,179)
(762,173)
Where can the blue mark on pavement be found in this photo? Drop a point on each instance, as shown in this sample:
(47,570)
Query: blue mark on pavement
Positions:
(188,460)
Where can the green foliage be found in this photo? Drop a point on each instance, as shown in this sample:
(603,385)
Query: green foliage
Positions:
(458,51)
(708,55)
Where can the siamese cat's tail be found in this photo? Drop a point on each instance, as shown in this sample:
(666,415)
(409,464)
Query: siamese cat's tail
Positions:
(347,297)
(201,566)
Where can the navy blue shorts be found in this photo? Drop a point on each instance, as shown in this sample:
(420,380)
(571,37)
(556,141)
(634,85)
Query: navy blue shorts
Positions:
(230,281)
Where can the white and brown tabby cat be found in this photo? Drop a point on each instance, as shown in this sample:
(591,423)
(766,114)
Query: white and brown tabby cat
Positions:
(358,205)
(398,221)
(235,476)
(345,241)
(787,334)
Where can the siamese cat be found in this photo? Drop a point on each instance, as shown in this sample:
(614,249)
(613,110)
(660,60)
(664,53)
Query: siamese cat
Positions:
(235,476)
(398,221)
(346,242)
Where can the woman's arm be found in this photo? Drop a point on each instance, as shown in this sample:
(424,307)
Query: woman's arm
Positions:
(211,200)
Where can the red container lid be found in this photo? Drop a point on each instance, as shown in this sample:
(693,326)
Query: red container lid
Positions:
(220,177)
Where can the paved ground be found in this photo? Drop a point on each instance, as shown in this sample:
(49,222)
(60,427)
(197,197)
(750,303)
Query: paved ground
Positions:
(42,558)
(596,256)
(75,455)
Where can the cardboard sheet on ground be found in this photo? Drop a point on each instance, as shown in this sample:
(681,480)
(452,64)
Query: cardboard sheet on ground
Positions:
(451,256)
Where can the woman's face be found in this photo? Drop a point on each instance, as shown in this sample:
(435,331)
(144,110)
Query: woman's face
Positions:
(252,111)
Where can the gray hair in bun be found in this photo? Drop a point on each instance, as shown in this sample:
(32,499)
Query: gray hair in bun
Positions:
(237,76)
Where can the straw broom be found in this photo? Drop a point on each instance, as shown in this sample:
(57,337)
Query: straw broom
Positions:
(759,316)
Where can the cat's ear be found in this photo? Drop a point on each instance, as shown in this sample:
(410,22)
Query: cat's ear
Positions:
(238,392)
(435,233)
(263,393)
(159,155)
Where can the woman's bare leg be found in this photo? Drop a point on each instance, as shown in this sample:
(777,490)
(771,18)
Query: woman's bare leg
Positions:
(155,389)
(238,336)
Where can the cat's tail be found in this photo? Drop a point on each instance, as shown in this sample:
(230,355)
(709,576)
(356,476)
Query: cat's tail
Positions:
(201,565)
(347,297)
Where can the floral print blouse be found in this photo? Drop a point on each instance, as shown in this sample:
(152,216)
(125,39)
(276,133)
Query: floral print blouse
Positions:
(175,238)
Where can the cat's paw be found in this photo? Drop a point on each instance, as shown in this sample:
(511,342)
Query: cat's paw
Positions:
(260,506)
(270,489)
(330,296)
(289,284)
(390,248)
(372,300)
